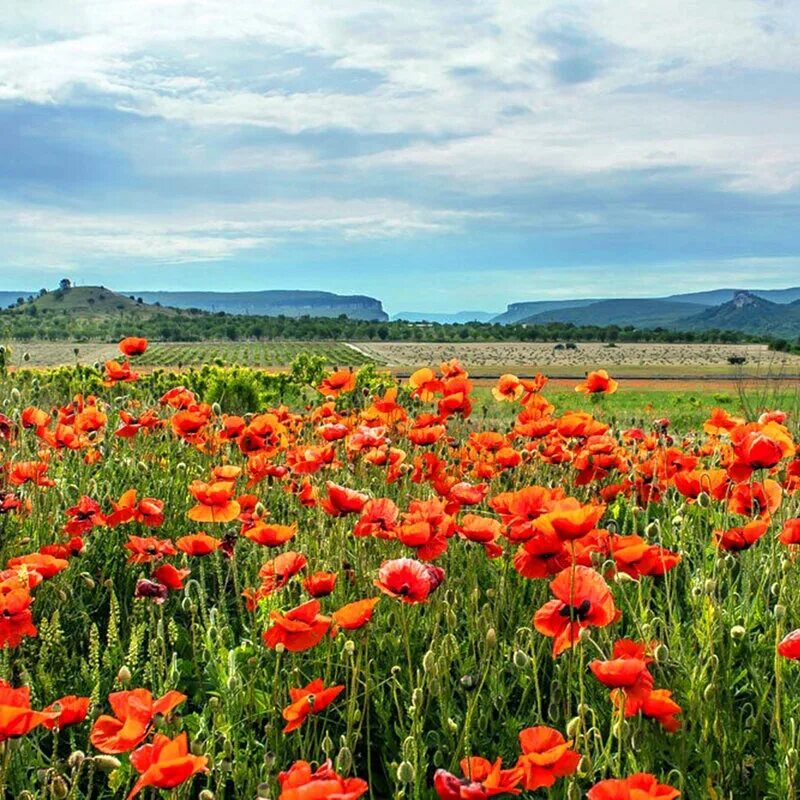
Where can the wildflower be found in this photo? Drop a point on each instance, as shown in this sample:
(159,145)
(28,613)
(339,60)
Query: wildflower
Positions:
(69,710)
(134,712)
(582,599)
(311,699)
(215,502)
(298,629)
(641,786)
(17,718)
(482,779)
(546,755)
(299,782)
(165,764)
(355,615)
(133,346)
(198,544)
(408,580)
(597,383)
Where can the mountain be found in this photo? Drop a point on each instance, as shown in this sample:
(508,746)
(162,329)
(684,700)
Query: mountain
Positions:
(87,301)
(748,312)
(273,303)
(516,312)
(445,319)
(639,313)
(717,297)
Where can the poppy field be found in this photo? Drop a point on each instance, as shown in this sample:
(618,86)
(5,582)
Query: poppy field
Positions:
(358,587)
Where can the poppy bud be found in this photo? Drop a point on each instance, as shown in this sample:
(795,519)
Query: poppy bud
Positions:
(416,697)
(263,791)
(703,500)
(709,586)
(780,611)
(207,794)
(59,788)
(395,669)
(344,760)
(677,521)
(521,660)
(585,766)
(106,763)
(573,792)
(738,632)
(573,727)
(227,748)
(708,692)
(76,759)
(124,675)
(467,682)
(88,580)
(349,647)
(623,577)
(327,744)
(452,725)
(491,638)
(280,648)
(653,527)
(405,772)
(775,589)
(428,662)
(661,654)
(216,409)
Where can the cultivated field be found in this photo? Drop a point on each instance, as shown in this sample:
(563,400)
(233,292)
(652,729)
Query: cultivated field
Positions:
(628,359)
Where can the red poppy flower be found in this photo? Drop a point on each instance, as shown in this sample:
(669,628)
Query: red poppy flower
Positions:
(69,710)
(354,615)
(270,535)
(298,629)
(569,519)
(16,618)
(482,780)
(149,511)
(790,533)
(45,565)
(751,498)
(546,755)
(215,502)
(408,580)
(165,764)
(16,715)
(597,383)
(425,385)
(339,382)
(34,472)
(508,389)
(171,576)
(133,346)
(582,599)
(789,646)
(641,786)
(320,584)
(660,706)
(311,699)
(116,372)
(299,782)
(341,500)
(83,517)
(198,544)
(741,538)
(134,711)
(378,518)
(145,549)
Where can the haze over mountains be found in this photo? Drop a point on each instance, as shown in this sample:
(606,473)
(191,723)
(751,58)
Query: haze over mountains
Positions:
(773,312)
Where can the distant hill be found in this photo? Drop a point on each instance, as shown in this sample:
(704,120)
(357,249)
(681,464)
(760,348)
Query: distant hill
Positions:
(516,312)
(639,313)
(88,301)
(717,297)
(274,303)
(748,312)
(445,319)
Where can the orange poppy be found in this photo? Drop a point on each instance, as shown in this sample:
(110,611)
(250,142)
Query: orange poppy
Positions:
(133,346)
(215,502)
(198,544)
(171,577)
(341,500)
(408,580)
(145,549)
(320,584)
(165,764)
(298,629)
(482,779)
(546,756)
(597,383)
(311,699)
(119,372)
(425,385)
(582,599)
(641,786)
(508,389)
(16,715)
(299,782)
(378,518)
(134,711)
(354,615)
(16,618)
(736,539)
(339,382)
(270,535)
(790,533)
(69,710)
(569,519)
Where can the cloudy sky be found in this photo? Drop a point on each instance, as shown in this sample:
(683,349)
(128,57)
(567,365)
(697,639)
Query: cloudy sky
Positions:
(438,155)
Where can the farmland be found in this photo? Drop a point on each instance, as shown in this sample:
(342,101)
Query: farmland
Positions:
(218,579)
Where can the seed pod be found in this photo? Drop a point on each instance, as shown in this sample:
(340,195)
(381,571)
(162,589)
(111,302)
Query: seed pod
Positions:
(661,654)
(344,760)
(263,791)
(491,638)
(573,727)
(738,631)
(428,662)
(124,675)
(406,772)
(780,611)
(520,659)
(106,763)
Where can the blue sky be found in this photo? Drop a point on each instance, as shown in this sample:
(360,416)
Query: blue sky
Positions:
(439,156)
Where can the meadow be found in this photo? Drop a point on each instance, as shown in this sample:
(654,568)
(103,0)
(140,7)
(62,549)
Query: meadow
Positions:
(333,583)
